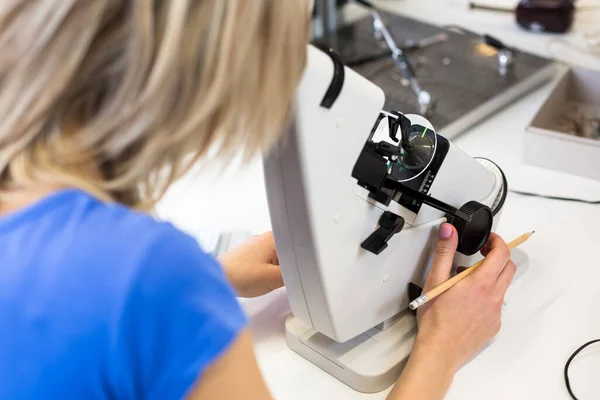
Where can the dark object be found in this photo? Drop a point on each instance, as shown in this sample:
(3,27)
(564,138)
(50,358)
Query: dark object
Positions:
(474,233)
(405,126)
(414,292)
(568,364)
(389,225)
(337,81)
(383,196)
(559,198)
(370,169)
(554,16)
(495,43)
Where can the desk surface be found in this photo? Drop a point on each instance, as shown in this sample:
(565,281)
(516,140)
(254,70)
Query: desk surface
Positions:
(551,309)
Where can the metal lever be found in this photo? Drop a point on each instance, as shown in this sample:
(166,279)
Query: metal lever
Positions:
(423,198)
(424,99)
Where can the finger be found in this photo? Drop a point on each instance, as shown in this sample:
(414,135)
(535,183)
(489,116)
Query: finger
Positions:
(272,276)
(496,259)
(443,257)
(506,277)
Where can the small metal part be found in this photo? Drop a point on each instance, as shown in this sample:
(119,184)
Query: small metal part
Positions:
(413,44)
(505,61)
(425,102)
(446,61)
(440,37)
(376,33)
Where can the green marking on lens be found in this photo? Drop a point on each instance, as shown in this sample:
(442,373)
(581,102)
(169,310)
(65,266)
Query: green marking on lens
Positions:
(424,132)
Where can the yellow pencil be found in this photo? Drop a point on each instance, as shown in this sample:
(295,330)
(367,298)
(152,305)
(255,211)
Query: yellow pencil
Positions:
(436,291)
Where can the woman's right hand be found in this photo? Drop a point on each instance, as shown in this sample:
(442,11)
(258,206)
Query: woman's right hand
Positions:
(458,323)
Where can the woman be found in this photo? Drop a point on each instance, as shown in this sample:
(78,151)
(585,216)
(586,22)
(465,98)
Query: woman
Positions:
(103,104)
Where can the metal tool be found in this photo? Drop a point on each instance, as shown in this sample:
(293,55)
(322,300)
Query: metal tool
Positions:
(424,99)
(426,102)
(414,44)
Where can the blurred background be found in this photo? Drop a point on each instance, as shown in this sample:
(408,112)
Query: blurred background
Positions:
(488,68)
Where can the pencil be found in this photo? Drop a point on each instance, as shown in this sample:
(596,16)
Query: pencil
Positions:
(436,291)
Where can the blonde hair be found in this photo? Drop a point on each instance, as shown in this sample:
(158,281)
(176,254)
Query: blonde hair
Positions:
(143,88)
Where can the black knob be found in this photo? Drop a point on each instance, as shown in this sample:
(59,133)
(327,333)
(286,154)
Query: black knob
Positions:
(474,230)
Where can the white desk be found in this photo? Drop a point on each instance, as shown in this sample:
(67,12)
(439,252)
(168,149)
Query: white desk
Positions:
(552,309)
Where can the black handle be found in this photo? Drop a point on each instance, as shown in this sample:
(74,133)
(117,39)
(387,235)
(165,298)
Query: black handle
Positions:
(495,43)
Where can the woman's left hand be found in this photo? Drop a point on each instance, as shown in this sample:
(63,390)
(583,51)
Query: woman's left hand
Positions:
(253,268)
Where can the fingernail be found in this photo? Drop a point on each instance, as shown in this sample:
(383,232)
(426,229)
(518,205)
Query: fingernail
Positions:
(446,231)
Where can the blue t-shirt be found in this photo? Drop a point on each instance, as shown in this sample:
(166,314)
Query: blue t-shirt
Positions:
(100,302)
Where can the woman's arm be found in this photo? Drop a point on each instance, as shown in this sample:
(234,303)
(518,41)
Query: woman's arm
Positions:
(427,375)
(234,376)
(456,325)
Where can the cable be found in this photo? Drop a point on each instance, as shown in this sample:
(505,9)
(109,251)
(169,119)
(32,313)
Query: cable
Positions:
(484,7)
(559,198)
(568,364)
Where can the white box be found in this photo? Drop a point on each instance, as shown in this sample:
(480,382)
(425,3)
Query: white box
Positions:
(564,135)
